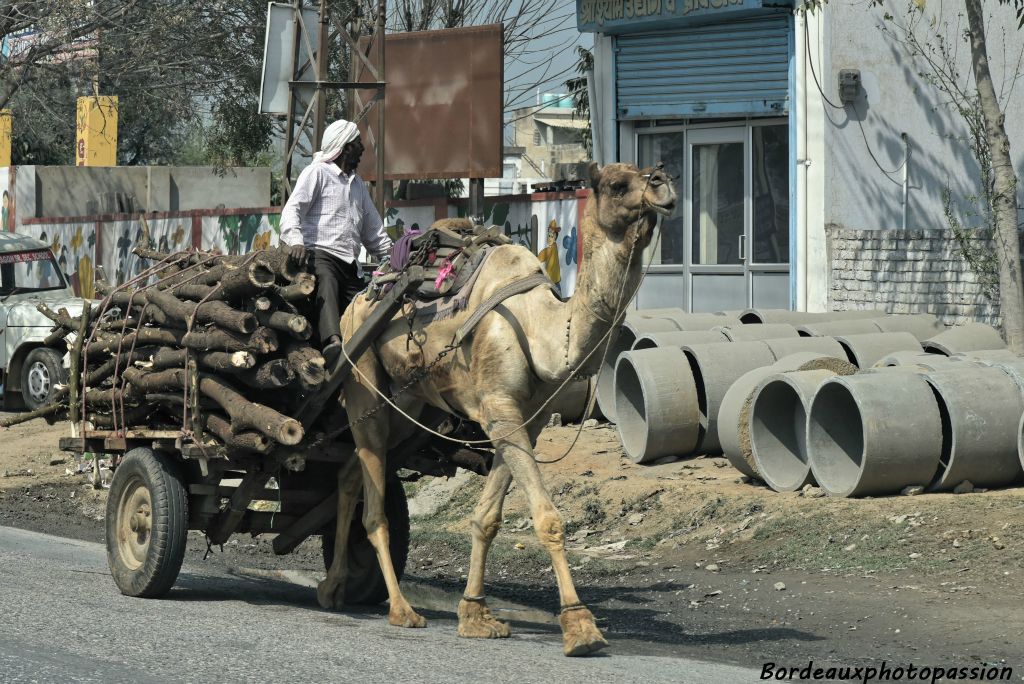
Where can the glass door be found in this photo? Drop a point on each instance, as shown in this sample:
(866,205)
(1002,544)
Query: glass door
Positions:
(717,218)
(728,245)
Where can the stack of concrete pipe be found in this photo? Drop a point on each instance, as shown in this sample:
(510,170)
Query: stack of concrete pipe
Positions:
(650,328)
(643,322)
(782,402)
(914,420)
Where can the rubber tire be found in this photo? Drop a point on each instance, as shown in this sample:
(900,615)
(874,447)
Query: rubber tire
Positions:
(365,583)
(54,362)
(161,475)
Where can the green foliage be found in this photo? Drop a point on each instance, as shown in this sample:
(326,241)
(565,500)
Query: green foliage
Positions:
(580,96)
(980,257)
(928,44)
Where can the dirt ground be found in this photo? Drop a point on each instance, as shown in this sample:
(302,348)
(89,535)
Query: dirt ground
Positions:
(676,558)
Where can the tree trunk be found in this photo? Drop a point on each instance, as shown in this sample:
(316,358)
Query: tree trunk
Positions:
(215,312)
(300,289)
(227,362)
(245,415)
(293,324)
(1004,203)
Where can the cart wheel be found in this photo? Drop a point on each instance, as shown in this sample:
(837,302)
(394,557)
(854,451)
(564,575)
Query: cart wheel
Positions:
(147,523)
(365,583)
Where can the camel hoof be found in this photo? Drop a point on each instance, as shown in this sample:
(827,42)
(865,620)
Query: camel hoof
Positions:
(406,617)
(330,595)
(477,622)
(580,635)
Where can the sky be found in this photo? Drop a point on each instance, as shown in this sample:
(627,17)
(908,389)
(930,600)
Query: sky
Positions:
(550,60)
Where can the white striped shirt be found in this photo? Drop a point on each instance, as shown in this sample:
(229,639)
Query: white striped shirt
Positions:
(333,211)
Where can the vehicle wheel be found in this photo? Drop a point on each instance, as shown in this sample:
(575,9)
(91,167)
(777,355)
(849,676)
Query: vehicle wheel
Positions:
(365,582)
(147,523)
(42,372)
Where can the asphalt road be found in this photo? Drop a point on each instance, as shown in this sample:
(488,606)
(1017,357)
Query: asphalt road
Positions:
(63,620)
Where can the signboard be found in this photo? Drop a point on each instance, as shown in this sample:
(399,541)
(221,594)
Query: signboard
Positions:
(25,257)
(616,16)
(5,138)
(96,131)
(279,50)
(443,103)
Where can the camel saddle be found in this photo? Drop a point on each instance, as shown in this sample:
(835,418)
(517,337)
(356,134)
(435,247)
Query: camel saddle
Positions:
(450,252)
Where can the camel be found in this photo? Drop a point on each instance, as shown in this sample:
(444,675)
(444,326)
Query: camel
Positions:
(517,356)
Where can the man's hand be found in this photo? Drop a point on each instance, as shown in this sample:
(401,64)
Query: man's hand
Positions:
(297,254)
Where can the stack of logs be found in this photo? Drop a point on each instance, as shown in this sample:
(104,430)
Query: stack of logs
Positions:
(214,345)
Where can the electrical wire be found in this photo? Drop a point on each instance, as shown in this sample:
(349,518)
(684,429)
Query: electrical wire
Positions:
(860,124)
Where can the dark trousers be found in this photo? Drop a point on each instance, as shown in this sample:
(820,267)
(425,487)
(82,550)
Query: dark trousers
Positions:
(337,283)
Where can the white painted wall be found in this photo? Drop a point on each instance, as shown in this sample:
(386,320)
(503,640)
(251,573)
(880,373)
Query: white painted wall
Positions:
(896,100)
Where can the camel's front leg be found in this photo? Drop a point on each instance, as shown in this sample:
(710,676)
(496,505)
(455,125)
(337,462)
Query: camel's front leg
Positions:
(475,618)
(330,593)
(580,634)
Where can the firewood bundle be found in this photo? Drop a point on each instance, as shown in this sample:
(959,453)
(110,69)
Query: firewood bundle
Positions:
(216,346)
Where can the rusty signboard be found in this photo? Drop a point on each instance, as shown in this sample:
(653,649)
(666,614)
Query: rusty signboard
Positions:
(444,105)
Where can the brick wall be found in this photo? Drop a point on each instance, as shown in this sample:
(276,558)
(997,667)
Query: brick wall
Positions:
(912,271)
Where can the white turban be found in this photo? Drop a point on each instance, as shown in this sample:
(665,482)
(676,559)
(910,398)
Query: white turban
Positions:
(337,135)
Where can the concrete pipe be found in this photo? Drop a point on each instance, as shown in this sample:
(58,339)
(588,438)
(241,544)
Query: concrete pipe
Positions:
(778,427)
(822,345)
(571,402)
(921,326)
(1014,370)
(678,338)
(733,425)
(854,326)
(987,357)
(656,404)
(766,331)
(1020,441)
(980,410)
(630,330)
(798,317)
(865,351)
(873,433)
(715,368)
(699,321)
(595,412)
(915,360)
(657,313)
(965,338)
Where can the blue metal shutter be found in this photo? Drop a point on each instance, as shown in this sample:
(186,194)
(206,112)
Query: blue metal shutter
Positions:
(735,69)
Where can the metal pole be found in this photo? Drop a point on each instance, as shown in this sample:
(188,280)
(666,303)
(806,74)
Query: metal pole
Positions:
(320,120)
(476,199)
(289,136)
(378,34)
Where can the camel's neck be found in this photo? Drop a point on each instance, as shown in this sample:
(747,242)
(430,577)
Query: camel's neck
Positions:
(607,279)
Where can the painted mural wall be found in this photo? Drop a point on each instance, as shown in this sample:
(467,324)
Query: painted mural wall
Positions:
(546,227)
(6,198)
(74,246)
(241,233)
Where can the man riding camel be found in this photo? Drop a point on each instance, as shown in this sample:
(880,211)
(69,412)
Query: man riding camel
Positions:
(330,215)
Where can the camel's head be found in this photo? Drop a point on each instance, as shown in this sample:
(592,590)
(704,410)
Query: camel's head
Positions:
(624,196)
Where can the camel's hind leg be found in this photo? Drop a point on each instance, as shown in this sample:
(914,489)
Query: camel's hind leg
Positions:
(475,618)
(330,593)
(371,437)
(580,634)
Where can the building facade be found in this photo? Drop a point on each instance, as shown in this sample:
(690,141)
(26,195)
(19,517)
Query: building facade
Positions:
(781,129)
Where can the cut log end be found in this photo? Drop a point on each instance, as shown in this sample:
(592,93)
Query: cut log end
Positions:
(289,432)
(243,359)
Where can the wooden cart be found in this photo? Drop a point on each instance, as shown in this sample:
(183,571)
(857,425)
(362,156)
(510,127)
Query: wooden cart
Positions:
(167,482)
